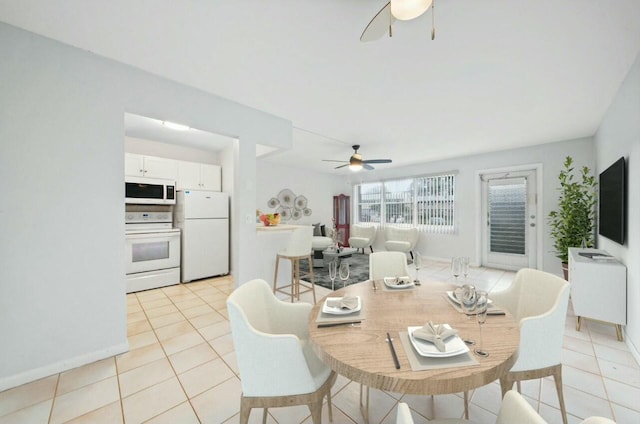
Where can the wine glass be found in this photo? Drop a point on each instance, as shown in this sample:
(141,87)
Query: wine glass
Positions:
(417,262)
(333,268)
(344,272)
(468,303)
(481,316)
(456,268)
(464,263)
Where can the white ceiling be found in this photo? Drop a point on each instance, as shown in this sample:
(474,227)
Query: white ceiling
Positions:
(500,74)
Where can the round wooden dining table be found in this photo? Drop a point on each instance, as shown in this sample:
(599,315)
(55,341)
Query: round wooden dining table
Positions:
(361,352)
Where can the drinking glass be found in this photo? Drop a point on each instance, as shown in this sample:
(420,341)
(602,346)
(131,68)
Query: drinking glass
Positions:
(481,317)
(456,268)
(344,272)
(464,264)
(417,261)
(333,268)
(468,303)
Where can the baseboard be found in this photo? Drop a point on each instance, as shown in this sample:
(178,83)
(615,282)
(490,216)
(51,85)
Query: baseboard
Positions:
(57,367)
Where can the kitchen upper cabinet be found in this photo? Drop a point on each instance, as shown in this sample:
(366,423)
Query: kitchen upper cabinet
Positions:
(150,166)
(199,176)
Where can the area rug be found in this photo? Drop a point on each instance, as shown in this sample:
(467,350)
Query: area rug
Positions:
(358,271)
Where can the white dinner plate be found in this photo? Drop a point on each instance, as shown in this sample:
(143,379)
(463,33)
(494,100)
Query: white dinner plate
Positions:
(340,311)
(453,345)
(452,296)
(391,283)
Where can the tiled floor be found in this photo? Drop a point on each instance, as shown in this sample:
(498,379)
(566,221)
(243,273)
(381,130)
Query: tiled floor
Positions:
(182,369)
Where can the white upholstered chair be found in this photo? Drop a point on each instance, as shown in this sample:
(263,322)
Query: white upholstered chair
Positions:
(276,363)
(401,239)
(538,301)
(403,415)
(362,236)
(387,264)
(298,248)
(514,410)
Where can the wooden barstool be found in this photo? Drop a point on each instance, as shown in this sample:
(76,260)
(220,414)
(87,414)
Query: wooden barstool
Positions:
(299,248)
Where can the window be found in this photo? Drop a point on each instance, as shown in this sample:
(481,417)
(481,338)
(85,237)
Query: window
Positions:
(425,202)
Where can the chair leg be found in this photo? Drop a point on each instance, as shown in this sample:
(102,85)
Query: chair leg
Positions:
(245,410)
(557,378)
(411,253)
(370,247)
(364,408)
(312,278)
(329,407)
(275,275)
(264,416)
(292,278)
(316,411)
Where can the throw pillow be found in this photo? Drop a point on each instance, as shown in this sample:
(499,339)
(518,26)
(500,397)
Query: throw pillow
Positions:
(316,230)
(323,232)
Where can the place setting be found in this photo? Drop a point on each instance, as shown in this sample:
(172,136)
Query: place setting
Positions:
(343,310)
(404,282)
(434,346)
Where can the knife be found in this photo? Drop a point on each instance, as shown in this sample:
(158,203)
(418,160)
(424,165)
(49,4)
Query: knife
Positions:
(393,352)
(334,324)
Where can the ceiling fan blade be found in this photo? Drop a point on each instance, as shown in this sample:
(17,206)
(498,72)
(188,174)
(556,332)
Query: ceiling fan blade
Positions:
(331,160)
(367,166)
(377,161)
(379,25)
(341,166)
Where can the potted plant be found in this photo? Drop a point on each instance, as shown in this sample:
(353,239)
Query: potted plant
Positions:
(573,223)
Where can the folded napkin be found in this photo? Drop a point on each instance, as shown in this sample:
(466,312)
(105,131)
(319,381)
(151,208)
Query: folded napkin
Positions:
(398,281)
(435,334)
(347,302)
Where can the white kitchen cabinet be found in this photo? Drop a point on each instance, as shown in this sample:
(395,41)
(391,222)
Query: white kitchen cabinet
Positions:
(598,287)
(150,166)
(199,176)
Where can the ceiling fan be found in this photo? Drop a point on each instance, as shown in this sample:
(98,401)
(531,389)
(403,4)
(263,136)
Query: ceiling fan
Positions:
(356,163)
(403,10)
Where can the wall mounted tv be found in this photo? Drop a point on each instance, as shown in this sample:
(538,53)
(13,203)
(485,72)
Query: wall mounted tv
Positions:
(612,205)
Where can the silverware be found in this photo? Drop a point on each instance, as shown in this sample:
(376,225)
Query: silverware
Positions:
(393,352)
(334,324)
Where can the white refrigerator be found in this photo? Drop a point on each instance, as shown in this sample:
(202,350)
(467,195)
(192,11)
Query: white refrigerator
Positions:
(203,218)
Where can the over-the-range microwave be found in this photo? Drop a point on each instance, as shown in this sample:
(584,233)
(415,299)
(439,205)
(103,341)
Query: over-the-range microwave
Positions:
(149,191)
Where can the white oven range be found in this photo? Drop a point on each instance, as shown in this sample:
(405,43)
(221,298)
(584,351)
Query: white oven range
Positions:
(152,250)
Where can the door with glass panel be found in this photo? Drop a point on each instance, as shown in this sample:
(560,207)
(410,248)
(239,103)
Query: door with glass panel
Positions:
(509,220)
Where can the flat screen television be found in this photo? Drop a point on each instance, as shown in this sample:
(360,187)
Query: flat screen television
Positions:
(612,208)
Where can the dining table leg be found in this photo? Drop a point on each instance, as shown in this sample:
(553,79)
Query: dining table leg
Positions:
(466,405)
(364,408)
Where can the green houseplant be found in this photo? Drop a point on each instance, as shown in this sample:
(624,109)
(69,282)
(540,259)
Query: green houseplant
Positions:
(573,223)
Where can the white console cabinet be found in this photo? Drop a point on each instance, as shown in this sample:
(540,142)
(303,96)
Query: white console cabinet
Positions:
(598,287)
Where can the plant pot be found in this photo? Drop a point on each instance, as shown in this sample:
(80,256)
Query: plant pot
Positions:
(565,270)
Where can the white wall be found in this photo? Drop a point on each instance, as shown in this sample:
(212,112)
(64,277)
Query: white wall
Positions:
(62,293)
(170,151)
(619,135)
(463,243)
(318,188)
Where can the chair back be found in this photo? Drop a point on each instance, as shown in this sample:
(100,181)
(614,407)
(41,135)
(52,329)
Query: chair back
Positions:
(363,231)
(407,235)
(535,292)
(387,264)
(299,242)
(404,414)
(515,409)
(538,301)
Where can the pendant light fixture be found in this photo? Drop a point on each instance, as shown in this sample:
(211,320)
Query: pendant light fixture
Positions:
(405,10)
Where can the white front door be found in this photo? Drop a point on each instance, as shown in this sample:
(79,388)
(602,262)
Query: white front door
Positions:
(509,220)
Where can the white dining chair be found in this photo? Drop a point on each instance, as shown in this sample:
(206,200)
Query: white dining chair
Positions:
(403,415)
(538,301)
(277,365)
(387,264)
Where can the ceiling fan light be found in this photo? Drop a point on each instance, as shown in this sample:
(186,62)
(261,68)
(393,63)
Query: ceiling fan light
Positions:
(405,10)
(355,167)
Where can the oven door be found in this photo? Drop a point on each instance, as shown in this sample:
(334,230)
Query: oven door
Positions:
(152,251)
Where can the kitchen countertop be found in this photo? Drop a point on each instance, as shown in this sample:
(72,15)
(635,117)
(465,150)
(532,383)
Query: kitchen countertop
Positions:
(279,227)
